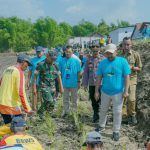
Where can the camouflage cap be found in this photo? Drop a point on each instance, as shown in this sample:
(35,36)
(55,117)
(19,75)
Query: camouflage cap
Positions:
(52,54)
(39,49)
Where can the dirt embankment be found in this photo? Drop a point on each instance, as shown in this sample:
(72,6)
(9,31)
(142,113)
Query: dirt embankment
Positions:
(143,91)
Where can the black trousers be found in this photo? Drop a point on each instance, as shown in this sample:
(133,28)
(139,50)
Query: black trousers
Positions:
(8,118)
(95,104)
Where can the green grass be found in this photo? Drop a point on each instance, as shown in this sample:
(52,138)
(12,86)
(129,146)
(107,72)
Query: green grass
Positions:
(59,108)
(48,127)
(41,127)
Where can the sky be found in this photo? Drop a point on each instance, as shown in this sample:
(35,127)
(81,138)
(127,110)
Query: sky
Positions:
(73,11)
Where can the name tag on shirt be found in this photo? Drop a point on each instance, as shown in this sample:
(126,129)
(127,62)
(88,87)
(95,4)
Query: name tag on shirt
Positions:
(67,76)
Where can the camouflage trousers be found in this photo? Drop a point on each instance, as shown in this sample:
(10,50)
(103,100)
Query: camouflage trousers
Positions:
(48,99)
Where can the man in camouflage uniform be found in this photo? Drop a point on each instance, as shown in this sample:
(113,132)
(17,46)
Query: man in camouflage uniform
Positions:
(135,63)
(48,72)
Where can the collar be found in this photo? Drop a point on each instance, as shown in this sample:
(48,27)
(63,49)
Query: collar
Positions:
(49,64)
(129,52)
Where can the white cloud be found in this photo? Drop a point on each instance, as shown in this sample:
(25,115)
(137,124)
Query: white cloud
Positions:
(75,8)
(110,11)
(126,10)
(21,8)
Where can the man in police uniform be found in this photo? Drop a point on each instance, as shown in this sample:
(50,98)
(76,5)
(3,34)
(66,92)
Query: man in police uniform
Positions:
(48,72)
(135,63)
(89,79)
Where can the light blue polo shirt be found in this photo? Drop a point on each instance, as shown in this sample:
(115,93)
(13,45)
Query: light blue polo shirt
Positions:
(69,71)
(35,61)
(76,53)
(83,63)
(113,74)
(58,59)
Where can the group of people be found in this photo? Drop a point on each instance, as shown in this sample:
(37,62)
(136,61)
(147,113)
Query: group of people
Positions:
(101,41)
(108,76)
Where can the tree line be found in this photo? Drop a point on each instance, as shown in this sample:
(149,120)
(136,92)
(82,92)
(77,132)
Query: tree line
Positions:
(22,35)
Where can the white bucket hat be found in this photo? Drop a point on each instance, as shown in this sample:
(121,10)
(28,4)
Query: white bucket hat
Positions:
(110,48)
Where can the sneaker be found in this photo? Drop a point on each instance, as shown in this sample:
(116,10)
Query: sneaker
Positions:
(129,120)
(95,118)
(115,136)
(134,120)
(100,129)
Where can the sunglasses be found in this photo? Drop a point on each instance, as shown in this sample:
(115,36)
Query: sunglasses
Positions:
(95,51)
(95,46)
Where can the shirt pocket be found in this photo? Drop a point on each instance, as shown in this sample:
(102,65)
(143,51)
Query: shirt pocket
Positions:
(131,60)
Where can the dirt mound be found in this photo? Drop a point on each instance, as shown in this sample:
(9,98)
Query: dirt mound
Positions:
(143,90)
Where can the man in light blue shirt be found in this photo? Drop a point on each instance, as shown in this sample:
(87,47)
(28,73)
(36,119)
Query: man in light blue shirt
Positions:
(70,69)
(59,52)
(113,74)
(83,60)
(40,57)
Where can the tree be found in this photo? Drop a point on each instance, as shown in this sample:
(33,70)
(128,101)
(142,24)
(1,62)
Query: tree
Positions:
(103,28)
(113,27)
(123,23)
(47,33)
(23,40)
(67,29)
(21,35)
(84,28)
(15,34)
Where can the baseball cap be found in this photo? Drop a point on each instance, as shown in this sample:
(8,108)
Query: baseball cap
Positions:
(52,54)
(39,49)
(64,48)
(18,121)
(23,57)
(93,137)
(110,48)
(58,49)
